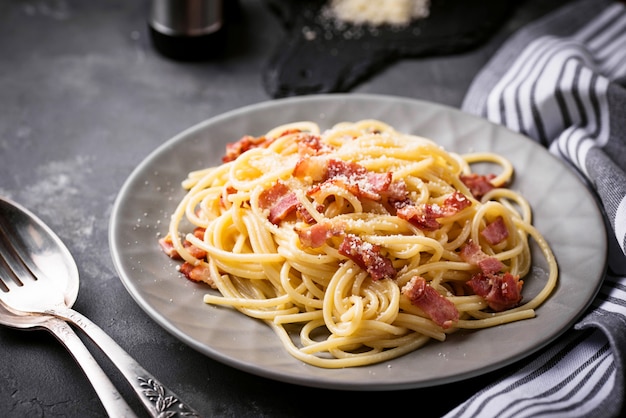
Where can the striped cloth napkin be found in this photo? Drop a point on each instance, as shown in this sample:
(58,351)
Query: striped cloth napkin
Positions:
(561,81)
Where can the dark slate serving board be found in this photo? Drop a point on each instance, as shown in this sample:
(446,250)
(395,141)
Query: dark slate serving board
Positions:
(318,57)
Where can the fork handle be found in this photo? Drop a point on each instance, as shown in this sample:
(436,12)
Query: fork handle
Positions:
(156,398)
(112,401)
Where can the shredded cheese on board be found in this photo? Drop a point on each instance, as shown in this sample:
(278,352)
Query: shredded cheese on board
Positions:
(379,12)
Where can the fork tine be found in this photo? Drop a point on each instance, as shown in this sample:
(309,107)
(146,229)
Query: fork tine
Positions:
(13,267)
(17,268)
(4,272)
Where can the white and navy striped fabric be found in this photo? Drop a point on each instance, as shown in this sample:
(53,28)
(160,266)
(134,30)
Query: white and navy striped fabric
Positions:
(562,81)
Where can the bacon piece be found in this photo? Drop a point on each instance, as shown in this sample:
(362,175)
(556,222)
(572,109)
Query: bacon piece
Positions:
(473,254)
(368,257)
(269,197)
(247,142)
(280,200)
(501,291)
(197,274)
(496,231)
(289,132)
(478,184)
(305,216)
(284,206)
(197,252)
(194,251)
(396,196)
(378,183)
(357,179)
(316,235)
(309,144)
(490,265)
(198,232)
(454,203)
(168,247)
(228,190)
(348,175)
(434,304)
(313,167)
(397,193)
(425,216)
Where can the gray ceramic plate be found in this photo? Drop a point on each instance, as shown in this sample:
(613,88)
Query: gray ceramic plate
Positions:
(564,211)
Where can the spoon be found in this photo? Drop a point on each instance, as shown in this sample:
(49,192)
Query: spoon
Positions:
(44,280)
(112,401)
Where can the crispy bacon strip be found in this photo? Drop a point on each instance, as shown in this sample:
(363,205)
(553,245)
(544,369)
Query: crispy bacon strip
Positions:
(349,175)
(309,144)
(455,203)
(443,312)
(289,132)
(496,231)
(501,291)
(478,184)
(168,247)
(228,190)
(357,179)
(473,254)
(280,200)
(316,235)
(194,251)
(425,216)
(198,274)
(368,257)
(304,214)
(397,193)
(312,167)
(247,142)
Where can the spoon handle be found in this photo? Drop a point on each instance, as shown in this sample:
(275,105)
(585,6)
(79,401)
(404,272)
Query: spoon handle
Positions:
(156,398)
(112,401)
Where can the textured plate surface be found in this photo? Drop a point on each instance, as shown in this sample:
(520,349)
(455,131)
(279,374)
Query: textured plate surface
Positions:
(563,208)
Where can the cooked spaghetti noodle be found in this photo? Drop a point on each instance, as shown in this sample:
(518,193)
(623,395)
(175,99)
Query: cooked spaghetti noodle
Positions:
(358,244)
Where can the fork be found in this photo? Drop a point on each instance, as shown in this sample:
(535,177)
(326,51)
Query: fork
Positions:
(25,293)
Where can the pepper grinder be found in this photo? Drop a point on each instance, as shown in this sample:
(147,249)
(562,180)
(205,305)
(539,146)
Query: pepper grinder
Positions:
(187,29)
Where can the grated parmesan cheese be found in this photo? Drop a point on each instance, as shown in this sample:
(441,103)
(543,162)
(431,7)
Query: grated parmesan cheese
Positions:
(379,12)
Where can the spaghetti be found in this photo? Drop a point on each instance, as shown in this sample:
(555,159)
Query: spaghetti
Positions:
(357,244)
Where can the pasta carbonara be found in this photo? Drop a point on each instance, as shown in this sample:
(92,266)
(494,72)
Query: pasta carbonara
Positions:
(359,243)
